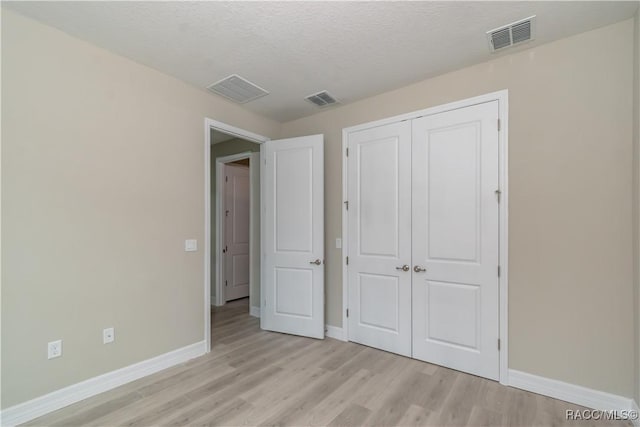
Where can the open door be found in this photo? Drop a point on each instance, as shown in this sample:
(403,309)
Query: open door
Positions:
(293,236)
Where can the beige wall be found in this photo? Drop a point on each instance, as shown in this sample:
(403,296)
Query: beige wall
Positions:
(102,180)
(570,142)
(227,148)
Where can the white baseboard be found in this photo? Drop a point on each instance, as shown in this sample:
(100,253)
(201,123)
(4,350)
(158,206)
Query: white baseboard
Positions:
(579,395)
(334,332)
(254,311)
(53,401)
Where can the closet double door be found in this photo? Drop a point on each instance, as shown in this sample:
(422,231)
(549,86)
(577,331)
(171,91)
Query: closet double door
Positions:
(423,238)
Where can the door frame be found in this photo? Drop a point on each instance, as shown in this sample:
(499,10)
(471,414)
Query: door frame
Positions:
(209,125)
(502,97)
(253,157)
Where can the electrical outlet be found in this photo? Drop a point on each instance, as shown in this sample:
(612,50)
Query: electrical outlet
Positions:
(54,349)
(108,335)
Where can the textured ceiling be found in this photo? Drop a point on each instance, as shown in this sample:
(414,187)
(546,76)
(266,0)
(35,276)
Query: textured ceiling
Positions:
(293,49)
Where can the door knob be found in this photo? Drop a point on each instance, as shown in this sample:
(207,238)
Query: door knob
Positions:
(419,269)
(316,262)
(403,268)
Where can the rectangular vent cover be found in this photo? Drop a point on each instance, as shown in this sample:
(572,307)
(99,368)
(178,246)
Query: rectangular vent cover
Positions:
(322,99)
(510,34)
(237,89)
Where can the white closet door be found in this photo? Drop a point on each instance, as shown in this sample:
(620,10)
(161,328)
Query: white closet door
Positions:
(455,238)
(293,239)
(236,231)
(379,215)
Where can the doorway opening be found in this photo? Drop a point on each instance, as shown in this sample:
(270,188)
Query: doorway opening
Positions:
(236,184)
(232,219)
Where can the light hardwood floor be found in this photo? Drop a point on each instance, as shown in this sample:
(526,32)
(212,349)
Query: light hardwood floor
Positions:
(253,377)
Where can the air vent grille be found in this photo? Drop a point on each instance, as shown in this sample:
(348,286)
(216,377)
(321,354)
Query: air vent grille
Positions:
(501,38)
(514,33)
(322,99)
(237,89)
(521,32)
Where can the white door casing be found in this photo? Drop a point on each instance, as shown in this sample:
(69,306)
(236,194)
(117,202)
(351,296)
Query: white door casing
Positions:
(236,231)
(293,236)
(379,215)
(455,238)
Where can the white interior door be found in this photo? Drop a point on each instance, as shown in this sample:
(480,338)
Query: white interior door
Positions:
(455,239)
(379,215)
(236,231)
(293,236)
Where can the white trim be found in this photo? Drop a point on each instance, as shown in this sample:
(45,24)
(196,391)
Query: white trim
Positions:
(498,95)
(502,97)
(263,210)
(237,132)
(334,332)
(53,401)
(571,393)
(503,256)
(207,234)
(210,124)
(220,290)
(345,235)
(254,311)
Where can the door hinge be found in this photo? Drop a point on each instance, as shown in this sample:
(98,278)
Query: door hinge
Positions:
(499,125)
(347,260)
(498,271)
(498,194)
(498,344)
(225,283)
(226,179)
(347,312)
(347,151)
(346,204)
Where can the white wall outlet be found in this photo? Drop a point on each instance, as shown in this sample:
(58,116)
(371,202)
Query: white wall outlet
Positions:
(54,349)
(338,243)
(190,245)
(108,335)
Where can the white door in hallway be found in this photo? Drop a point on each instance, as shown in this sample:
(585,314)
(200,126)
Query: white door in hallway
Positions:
(455,239)
(236,231)
(293,236)
(379,215)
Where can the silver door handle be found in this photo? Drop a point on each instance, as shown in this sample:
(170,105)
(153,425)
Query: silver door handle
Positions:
(316,262)
(419,269)
(403,268)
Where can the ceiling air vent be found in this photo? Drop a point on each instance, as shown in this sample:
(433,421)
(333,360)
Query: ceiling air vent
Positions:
(322,99)
(511,34)
(237,89)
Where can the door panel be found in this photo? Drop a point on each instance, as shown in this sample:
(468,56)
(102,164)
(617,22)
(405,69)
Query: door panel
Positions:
(455,237)
(294,229)
(379,215)
(453,193)
(236,234)
(293,239)
(378,301)
(378,181)
(294,293)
